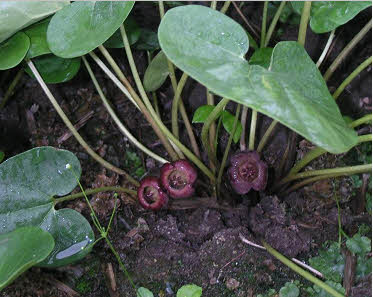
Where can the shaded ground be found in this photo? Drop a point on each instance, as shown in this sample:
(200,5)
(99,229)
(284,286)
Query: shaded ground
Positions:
(165,250)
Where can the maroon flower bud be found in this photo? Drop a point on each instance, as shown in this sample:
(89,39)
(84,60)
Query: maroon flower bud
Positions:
(178,178)
(150,194)
(247,171)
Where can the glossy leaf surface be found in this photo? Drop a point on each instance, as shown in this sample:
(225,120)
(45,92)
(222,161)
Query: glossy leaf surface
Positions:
(210,47)
(38,39)
(22,249)
(328,15)
(82,26)
(16,15)
(13,50)
(133,33)
(156,73)
(28,182)
(54,69)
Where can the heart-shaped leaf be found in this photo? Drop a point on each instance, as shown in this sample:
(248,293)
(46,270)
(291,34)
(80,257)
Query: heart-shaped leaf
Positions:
(133,33)
(82,26)
(156,73)
(38,39)
(13,50)
(328,15)
(28,183)
(16,15)
(22,249)
(210,47)
(54,69)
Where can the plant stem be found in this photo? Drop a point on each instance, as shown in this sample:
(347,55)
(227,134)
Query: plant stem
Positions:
(73,131)
(326,49)
(94,191)
(301,271)
(274,22)
(164,129)
(154,95)
(225,6)
(363,120)
(131,92)
(266,136)
(264,24)
(206,126)
(245,19)
(254,116)
(175,104)
(347,50)
(243,124)
(11,88)
(212,131)
(304,22)
(120,125)
(213,4)
(227,148)
(360,68)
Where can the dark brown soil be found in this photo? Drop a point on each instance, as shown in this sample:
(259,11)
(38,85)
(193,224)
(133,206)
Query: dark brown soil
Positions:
(165,250)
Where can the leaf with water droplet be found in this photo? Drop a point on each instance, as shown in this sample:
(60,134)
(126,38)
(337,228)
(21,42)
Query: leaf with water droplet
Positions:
(28,183)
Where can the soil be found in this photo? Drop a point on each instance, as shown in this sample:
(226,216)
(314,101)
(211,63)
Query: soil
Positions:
(167,249)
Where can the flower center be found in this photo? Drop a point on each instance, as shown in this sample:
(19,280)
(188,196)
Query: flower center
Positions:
(177,180)
(248,171)
(151,194)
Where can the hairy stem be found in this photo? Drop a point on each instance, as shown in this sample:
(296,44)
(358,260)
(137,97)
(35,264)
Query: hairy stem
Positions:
(308,276)
(304,22)
(243,124)
(94,191)
(347,50)
(254,117)
(273,24)
(11,88)
(266,136)
(73,131)
(227,149)
(326,49)
(264,24)
(164,129)
(355,73)
(120,125)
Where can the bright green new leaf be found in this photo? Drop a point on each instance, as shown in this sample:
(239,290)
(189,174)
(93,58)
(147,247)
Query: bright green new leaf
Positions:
(189,291)
(82,26)
(228,124)
(13,50)
(202,113)
(262,57)
(210,47)
(359,245)
(289,290)
(148,41)
(28,183)
(38,39)
(328,15)
(144,292)
(22,249)
(156,73)
(133,33)
(54,69)
(16,15)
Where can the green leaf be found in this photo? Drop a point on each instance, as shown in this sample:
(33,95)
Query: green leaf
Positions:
(144,292)
(330,262)
(2,155)
(289,290)
(329,15)
(252,41)
(82,26)
(262,57)
(38,39)
(189,291)
(22,249)
(28,183)
(228,124)
(13,50)
(318,292)
(359,245)
(148,41)
(156,73)
(133,33)
(201,114)
(16,15)
(210,47)
(54,69)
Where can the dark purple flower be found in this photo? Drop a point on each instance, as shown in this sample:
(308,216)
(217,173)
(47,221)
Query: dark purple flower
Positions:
(247,171)
(150,194)
(178,178)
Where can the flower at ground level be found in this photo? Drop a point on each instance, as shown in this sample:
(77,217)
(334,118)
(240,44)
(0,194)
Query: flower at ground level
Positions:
(247,171)
(150,194)
(178,178)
